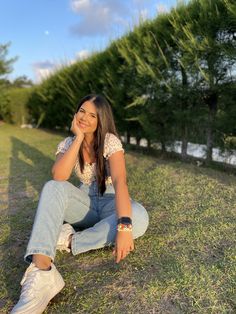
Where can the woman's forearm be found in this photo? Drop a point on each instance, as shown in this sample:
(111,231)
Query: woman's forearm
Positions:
(123,204)
(63,167)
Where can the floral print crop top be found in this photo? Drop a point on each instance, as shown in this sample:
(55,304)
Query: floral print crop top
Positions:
(112,144)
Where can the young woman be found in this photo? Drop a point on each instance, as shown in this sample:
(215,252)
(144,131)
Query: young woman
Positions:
(101,205)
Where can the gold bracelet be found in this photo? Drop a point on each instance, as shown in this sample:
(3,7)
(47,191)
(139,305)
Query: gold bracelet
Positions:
(123,227)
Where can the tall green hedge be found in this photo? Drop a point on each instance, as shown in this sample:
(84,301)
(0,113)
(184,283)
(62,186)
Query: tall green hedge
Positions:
(171,78)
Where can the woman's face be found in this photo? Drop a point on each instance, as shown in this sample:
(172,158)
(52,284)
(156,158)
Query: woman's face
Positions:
(87,118)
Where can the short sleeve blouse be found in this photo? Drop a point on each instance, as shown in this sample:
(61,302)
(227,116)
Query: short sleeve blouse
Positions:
(112,144)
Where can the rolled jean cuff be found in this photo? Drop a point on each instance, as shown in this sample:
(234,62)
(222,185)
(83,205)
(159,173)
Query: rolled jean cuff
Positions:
(77,250)
(28,254)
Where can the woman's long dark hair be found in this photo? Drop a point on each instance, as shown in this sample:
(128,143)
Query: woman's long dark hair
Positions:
(105,125)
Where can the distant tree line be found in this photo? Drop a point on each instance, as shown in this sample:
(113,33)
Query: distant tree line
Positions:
(9,88)
(19,82)
(171,78)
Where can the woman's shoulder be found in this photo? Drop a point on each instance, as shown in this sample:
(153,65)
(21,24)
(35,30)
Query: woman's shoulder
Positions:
(112,144)
(111,137)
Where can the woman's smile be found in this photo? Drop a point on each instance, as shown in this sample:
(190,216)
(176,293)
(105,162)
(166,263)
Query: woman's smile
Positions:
(82,124)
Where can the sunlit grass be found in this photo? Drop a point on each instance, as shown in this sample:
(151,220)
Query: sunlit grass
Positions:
(185,263)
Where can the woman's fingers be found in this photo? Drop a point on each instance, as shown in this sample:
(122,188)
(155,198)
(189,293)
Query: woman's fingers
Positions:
(120,254)
(75,128)
(123,246)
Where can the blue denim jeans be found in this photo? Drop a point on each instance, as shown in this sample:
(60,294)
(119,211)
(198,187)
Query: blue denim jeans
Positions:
(84,208)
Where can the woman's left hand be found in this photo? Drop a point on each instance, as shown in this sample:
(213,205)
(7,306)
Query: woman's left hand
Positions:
(124,244)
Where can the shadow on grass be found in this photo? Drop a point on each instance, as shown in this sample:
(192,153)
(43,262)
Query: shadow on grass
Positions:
(27,174)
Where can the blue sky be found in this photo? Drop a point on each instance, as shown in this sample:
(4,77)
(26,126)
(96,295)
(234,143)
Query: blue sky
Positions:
(45,34)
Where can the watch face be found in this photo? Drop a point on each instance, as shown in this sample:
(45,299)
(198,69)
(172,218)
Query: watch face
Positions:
(125,220)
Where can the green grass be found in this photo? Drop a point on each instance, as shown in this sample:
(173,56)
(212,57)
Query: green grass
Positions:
(185,263)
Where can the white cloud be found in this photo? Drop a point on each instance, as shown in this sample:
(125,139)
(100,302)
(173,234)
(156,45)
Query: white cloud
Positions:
(99,17)
(95,23)
(106,18)
(80,5)
(144,14)
(46,33)
(43,70)
(121,21)
(161,8)
(83,54)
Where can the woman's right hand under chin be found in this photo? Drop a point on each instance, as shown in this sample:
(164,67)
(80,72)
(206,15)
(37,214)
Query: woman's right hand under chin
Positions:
(76,130)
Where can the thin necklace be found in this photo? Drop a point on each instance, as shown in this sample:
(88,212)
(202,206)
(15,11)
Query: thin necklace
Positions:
(89,145)
(87,150)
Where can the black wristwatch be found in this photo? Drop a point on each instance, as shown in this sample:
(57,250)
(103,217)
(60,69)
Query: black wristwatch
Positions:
(124,221)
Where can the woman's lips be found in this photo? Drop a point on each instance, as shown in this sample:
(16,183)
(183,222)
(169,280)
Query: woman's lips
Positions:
(83,125)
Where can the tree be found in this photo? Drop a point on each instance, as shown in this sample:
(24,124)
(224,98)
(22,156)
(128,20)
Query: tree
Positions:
(208,47)
(147,86)
(22,81)
(5,68)
(5,65)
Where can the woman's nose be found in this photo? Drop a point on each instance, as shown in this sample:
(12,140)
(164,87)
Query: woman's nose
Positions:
(83,117)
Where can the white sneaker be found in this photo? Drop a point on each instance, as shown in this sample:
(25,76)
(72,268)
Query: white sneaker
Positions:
(63,241)
(38,288)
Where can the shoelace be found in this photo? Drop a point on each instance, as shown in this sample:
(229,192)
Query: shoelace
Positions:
(27,285)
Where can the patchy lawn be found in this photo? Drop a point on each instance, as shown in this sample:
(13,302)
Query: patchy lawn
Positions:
(185,263)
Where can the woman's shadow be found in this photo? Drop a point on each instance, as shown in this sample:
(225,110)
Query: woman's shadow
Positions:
(29,170)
